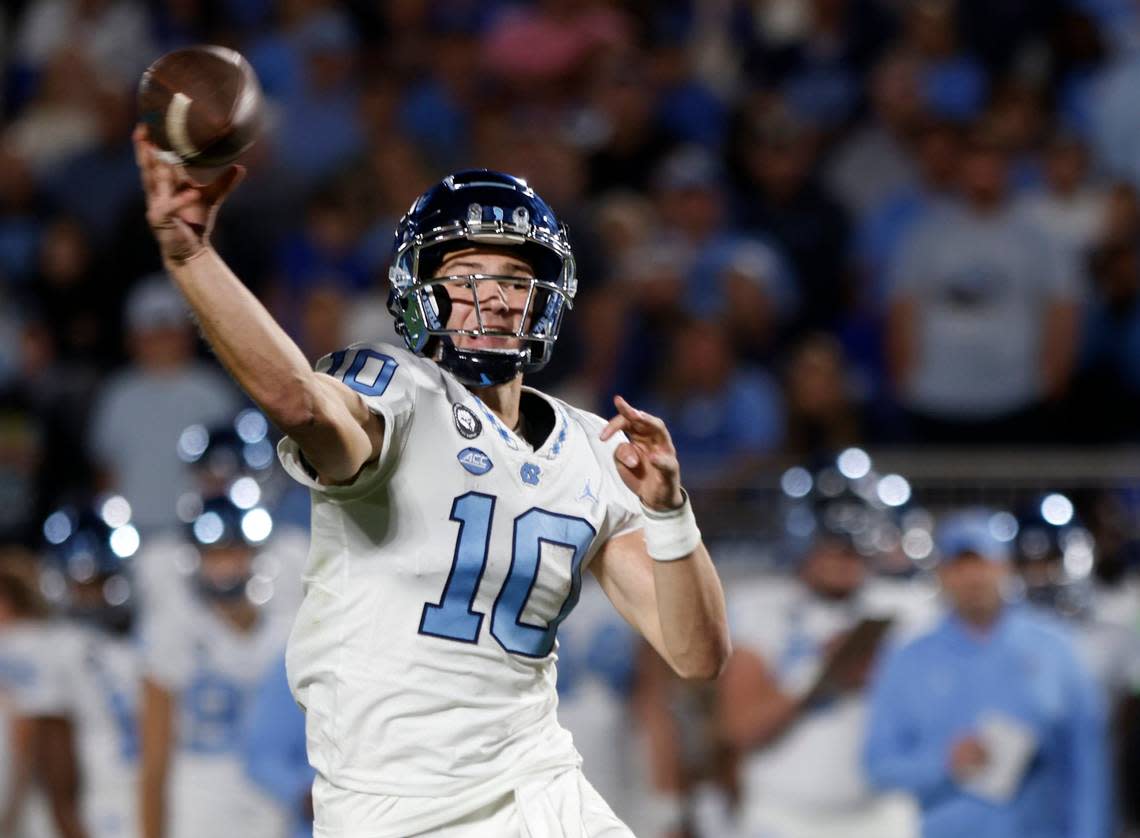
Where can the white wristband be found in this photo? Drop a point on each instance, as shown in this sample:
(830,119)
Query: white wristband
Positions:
(673,534)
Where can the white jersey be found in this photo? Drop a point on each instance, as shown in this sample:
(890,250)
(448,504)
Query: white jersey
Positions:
(424,651)
(214,672)
(164,571)
(93,680)
(25,691)
(814,769)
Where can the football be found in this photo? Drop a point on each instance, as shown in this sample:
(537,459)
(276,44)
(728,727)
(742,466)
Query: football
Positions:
(202,104)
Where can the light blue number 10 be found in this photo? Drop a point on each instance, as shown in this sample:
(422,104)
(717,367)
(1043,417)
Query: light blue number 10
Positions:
(454,617)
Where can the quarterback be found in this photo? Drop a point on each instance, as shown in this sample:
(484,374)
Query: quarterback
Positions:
(453,513)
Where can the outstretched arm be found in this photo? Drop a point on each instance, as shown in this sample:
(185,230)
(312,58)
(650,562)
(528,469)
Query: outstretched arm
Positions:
(676,602)
(330,422)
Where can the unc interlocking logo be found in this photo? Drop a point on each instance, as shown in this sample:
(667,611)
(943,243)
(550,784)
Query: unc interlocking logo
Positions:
(530,473)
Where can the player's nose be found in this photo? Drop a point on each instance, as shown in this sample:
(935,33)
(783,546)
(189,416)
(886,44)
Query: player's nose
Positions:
(493,297)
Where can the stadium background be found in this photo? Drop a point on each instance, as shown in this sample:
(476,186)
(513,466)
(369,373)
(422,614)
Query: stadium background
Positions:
(745,186)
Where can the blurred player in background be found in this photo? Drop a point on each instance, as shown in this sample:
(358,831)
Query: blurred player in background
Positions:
(453,514)
(800,773)
(597,676)
(990,720)
(224,453)
(203,665)
(1055,559)
(24,637)
(92,668)
(275,757)
(235,459)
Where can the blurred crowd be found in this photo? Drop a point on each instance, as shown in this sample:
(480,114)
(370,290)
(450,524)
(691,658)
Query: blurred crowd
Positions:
(800,226)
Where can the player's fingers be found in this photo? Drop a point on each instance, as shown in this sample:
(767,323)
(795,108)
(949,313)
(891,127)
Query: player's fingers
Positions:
(138,140)
(627,455)
(643,426)
(639,418)
(226,183)
(665,461)
(147,176)
(626,409)
(144,155)
(184,198)
(655,421)
(636,425)
(618,423)
(163,174)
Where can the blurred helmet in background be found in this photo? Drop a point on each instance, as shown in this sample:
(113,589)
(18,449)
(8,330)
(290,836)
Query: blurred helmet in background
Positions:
(848,502)
(227,537)
(1055,555)
(87,570)
(235,458)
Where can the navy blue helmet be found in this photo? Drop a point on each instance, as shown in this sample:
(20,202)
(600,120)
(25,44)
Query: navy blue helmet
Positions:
(90,547)
(847,501)
(220,524)
(1055,555)
(229,450)
(480,207)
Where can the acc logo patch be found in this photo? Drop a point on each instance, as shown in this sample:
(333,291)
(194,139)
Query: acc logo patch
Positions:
(530,473)
(466,422)
(474,460)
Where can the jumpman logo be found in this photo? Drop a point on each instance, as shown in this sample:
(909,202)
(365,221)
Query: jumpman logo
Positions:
(588,494)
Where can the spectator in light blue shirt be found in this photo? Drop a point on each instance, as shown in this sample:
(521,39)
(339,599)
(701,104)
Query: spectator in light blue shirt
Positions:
(275,756)
(991,686)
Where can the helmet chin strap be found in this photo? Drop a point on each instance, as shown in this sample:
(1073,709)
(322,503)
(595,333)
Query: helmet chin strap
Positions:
(479,369)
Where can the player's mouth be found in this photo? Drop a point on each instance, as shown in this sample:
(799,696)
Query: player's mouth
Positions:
(488,341)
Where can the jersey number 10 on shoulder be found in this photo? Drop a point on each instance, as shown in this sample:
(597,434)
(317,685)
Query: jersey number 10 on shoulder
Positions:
(454,617)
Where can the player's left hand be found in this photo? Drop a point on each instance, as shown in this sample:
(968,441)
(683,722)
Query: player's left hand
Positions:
(647,463)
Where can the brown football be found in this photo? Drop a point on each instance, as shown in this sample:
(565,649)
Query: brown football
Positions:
(203,104)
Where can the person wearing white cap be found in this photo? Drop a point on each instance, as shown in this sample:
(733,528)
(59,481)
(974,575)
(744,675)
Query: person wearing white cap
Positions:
(136,423)
(990,720)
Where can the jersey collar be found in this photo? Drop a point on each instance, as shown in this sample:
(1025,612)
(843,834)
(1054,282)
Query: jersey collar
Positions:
(556,440)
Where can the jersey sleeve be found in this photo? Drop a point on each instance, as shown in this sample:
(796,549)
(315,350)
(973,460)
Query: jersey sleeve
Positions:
(623,509)
(388,380)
